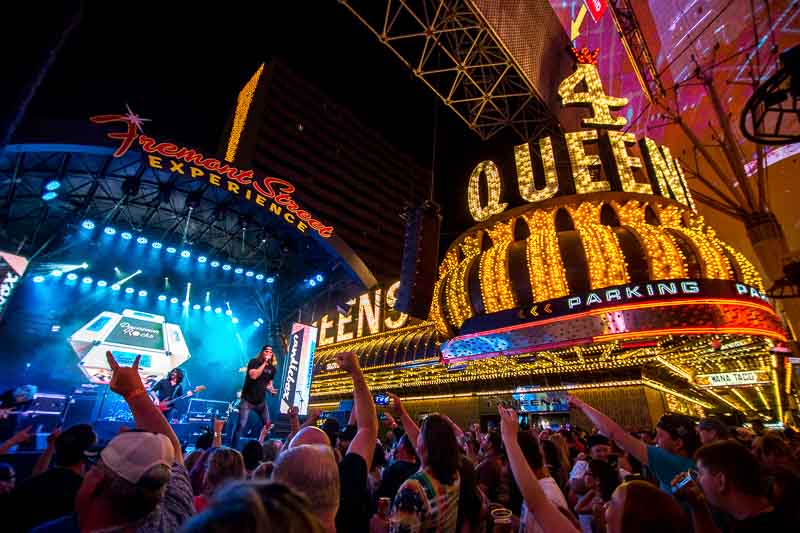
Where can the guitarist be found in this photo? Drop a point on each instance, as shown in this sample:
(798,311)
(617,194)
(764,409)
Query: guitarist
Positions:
(168,389)
(257,381)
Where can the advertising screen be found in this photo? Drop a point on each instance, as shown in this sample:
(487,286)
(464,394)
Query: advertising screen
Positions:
(300,363)
(138,333)
(542,402)
(12,267)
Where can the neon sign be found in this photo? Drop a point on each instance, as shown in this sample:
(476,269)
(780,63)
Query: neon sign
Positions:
(274,194)
(732,379)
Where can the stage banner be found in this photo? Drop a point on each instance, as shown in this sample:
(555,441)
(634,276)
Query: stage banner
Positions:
(300,363)
(12,267)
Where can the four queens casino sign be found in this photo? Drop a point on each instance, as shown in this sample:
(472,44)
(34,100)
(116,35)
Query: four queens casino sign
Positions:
(271,193)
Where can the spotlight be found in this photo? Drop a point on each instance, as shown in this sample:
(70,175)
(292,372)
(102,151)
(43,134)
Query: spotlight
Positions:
(49,195)
(214,264)
(270,279)
(72,276)
(171,250)
(126,235)
(186,253)
(38,279)
(239,270)
(207,308)
(142,240)
(84,265)
(249,274)
(87,280)
(57,273)
(196,307)
(87,224)
(102,283)
(256,323)
(218,310)
(109,230)
(157,245)
(115,287)
(185,303)
(162,298)
(312,283)
(55,328)
(226,267)
(260,320)
(229,312)
(202,259)
(234,320)
(259,277)
(319,278)
(53,185)
(129,290)
(142,293)
(173,300)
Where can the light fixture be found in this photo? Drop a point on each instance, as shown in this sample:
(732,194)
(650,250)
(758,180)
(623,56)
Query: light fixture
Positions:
(196,307)
(238,270)
(157,245)
(142,240)
(53,185)
(142,293)
(115,287)
(259,277)
(214,264)
(218,310)
(207,308)
(234,320)
(185,303)
(249,274)
(102,283)
(109,230)
(57,273)
(256,323)
(319,278)
(84,265)
(202,259)
(229,312)
(312,283)
(162,298)
(72,276)
(270,279)
(38,279)
(127,235)
(173,300)
(87,224)
(260,320)
(186,253)
(129,290)
(226,267)
(49,195)
(87,280)
(171,249)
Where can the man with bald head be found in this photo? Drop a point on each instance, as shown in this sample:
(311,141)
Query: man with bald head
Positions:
(311,469)
(309,435)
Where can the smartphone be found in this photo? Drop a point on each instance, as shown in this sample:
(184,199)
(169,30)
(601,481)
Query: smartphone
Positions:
(690,475)
(382,399)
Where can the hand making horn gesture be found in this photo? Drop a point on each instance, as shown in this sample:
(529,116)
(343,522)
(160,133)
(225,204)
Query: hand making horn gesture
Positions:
(125,381)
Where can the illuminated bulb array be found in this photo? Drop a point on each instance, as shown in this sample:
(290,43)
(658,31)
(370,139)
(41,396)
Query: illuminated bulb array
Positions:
(626,163)
(240,116)
(583,162)
(686,190)
(493,184)
(595,97)
(667,172)
(457,293)
(663,255)
(749,273)
(545,265)
(493,273)
(436,314)
(607,265)
(715,264)
(527,186)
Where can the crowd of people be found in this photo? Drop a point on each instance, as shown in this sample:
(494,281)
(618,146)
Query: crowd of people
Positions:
(426,475)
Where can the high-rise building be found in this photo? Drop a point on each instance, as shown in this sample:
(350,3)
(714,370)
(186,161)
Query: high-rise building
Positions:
(344,171)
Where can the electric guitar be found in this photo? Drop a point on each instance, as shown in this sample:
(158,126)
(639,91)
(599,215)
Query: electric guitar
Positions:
(166,405)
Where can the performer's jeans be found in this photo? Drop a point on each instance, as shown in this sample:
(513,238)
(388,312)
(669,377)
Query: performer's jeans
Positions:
(244,414)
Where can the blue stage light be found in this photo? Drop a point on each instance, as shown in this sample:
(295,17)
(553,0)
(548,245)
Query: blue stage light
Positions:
(312,283)
(259,277)
(129,290)
(196,307)
(109,230)
(239,270)
(102,283)
(57,273)
(87,280)
(72,276)
(173,300)
(115,287)
(260,320)
(171,250)
(185,304)
(87,224)
(202,259)
(207,308)
(142,293)
(255,323)
(126,235)
(49,195)
(319,278)
(162,298)
(229,312)
(249,274)
(186,253)
(84,265)
(157,245)
(53,185)
(214,264)
(270,279)
(226,267)
(38,279)
(217,310)
(142,240)
(234,320)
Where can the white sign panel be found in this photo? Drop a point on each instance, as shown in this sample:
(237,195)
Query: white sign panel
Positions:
(733,379)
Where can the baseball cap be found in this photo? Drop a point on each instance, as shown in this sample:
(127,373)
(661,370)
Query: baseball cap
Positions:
(131,454)
(713,423)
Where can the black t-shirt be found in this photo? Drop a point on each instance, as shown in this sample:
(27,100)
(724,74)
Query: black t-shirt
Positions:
(44,497)
(254,390)
(165,391)
(394,476)
(353,514)
(764,523)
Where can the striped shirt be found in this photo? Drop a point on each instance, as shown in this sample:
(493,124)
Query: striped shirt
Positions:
(423,505)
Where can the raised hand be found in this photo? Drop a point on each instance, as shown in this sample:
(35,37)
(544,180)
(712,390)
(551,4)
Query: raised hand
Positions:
(509,424)
(347,361)
(125,381)
(21,435)
(396,405)
(51,438)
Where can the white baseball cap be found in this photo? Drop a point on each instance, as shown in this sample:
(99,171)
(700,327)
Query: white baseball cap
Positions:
(131,454)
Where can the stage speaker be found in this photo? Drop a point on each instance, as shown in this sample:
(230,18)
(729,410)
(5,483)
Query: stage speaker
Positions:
(419,268)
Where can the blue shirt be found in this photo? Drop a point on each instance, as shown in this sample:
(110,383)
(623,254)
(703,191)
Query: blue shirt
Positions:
(665,466)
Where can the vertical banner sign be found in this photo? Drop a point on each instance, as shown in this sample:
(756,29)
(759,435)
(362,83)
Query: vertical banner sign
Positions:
(12,267)
(300,363)
(596,8)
